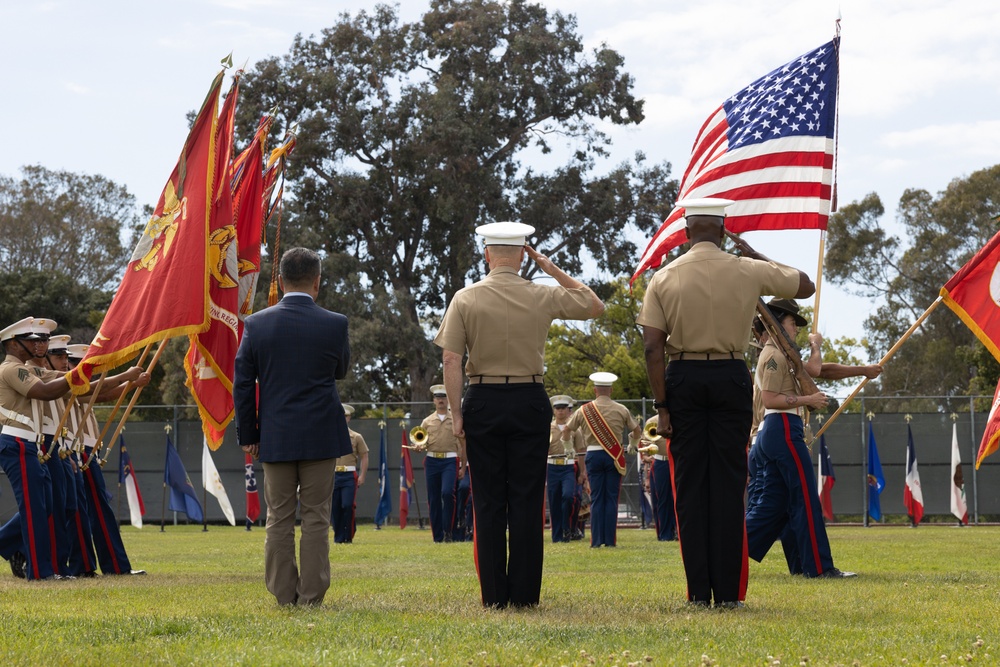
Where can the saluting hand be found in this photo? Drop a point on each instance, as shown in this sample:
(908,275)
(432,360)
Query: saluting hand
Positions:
(543,262)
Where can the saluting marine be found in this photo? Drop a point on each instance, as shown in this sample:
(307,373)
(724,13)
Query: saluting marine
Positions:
(697,311)
(502,322)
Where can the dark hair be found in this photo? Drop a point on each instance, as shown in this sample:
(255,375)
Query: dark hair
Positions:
(299,266)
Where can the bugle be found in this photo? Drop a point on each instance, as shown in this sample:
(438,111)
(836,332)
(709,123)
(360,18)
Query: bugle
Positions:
(418,437)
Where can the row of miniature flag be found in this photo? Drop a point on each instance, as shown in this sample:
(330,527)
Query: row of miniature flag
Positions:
(183,497)
(913,497)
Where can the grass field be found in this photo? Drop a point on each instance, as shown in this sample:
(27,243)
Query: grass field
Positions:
(925,596)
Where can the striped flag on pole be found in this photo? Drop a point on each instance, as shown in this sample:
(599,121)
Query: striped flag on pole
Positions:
(913,494)
(770,148)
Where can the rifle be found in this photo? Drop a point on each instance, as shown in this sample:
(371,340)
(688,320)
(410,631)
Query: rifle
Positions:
(803,381)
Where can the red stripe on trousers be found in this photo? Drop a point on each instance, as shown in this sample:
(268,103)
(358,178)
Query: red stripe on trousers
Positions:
(805,492)
(100,516)
(32,549)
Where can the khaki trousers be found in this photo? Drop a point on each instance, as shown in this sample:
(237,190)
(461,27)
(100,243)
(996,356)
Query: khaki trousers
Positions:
(307,485)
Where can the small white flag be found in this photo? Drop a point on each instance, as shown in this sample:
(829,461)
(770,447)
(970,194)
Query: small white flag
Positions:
(213,483)
(958,506)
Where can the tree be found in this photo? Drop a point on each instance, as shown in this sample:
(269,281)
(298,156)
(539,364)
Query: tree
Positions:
(941,358)
(612,343)
(59,222)
(412,134)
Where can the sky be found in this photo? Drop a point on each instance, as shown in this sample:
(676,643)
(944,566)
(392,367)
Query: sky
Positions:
(103,86)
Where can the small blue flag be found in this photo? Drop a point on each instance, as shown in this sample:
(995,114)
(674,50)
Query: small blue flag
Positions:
(183,497)
(876,480)
(384,492)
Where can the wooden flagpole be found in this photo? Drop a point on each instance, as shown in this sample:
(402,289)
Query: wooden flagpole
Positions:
(121,398)
(882,362)
(131,403)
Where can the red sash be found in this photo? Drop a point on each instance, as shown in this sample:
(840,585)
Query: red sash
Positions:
(604,436)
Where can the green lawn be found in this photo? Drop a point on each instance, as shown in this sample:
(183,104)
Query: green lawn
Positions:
(925,596)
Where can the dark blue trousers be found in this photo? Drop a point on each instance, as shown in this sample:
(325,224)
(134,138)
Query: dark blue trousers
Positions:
(561,484)
(788,497)
(345,491)
(63,495)
(507,441)
(755,487)
(605,485)
(104,526)
(81,555)
(30,530)
(663,501)
(441,476)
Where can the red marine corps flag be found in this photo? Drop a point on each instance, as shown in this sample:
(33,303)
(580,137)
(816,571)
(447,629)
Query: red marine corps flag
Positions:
(770,148)
(164,291)
(210,358)
(974,294)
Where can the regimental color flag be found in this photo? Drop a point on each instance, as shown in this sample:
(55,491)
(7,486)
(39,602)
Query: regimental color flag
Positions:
(164,291)
(974,294)
(182,494)
(770,148)
(253,499)
(384,491)
(405,483)
(248,210)
(210,358)
(991,436)
(127,478)
(213,484)
(826,479)
(913,495)
(876,480)
(958,505)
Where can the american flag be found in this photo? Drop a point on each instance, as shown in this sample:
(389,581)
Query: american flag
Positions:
(770,148)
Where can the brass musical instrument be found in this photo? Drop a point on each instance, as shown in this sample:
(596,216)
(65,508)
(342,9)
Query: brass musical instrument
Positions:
(649,449)
(649,433)
(418,436)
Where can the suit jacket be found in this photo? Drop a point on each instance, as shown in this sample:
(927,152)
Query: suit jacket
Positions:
(295,351)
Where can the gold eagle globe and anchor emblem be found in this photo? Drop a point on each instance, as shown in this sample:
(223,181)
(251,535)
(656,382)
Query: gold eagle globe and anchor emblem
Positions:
(160,231)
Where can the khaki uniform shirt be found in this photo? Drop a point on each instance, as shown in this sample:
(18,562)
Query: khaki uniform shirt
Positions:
(617,416)
(52,410)
(503,321)
(358,449)
(16,379)
(758,409)
(440,433)
(558,446)
(705,299)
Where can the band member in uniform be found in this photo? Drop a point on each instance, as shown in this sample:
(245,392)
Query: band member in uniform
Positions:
(659,483)
(565,469)
(442,468)
(785,499)
(602,422)
(697,311)
(350,474)
(502,322)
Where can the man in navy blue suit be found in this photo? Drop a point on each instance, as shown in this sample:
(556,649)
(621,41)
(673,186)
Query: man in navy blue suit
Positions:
(294,351)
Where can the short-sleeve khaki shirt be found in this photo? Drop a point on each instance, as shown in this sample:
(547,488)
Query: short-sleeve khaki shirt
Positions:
(558,446)
(16,380)
(772,372)
(440,433)
(503,321)
(617,416)
(705,299)
(358,449)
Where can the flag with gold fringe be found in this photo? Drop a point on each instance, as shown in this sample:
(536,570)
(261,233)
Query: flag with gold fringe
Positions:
(164,291)
(209,360)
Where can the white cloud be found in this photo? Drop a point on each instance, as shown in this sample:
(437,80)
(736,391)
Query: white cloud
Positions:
(977,138)
(77,88)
